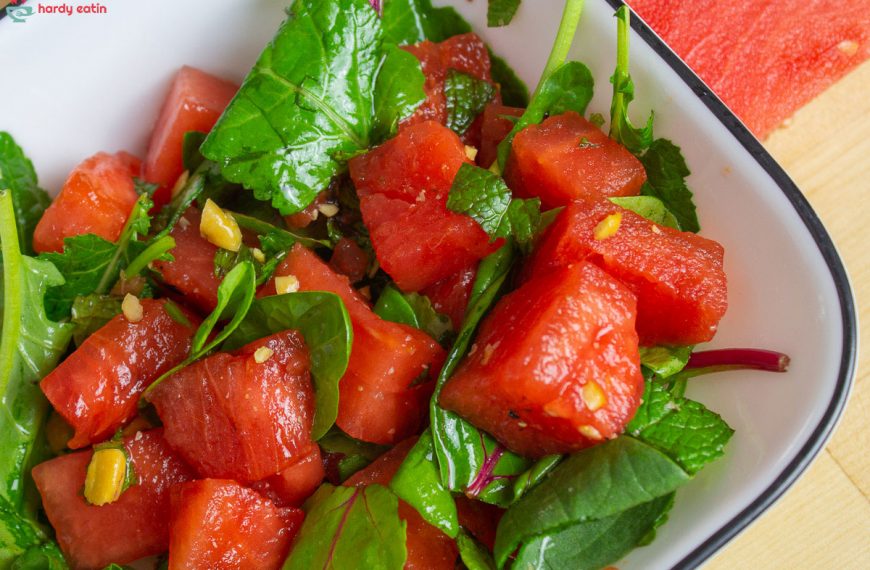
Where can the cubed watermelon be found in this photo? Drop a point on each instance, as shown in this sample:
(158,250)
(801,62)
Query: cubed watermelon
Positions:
(494,129)
(450,295)
(295,483)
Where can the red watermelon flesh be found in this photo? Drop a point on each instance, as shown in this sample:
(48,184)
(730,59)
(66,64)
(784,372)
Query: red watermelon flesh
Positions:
(494,129)
(132,527)
(220,525)
(295,483)
(97,388)
(230,416)
(450,295)
(764,59)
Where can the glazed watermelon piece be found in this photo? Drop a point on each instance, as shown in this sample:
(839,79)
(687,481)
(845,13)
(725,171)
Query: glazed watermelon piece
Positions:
(450,295)
(219,525)
(384,393)
(231,416)
(295,483)
(678,277)
(577,317)
(465,52)
(192,271)
(96,198)
(195,101)
(97,388)
(747,51)
(132,527)
(565,158)
(494,129)
(403,187)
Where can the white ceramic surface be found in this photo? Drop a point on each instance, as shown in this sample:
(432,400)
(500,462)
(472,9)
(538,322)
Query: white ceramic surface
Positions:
(74,85)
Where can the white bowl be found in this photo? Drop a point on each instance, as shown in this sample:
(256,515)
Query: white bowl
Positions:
(74,85)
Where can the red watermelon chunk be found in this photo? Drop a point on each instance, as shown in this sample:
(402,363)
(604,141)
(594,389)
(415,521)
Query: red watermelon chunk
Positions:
(555,367)
(450,295)
(192,271)
(403,187)
(677,276)
(764,59)
(132,527)
(230,416)
(384,393)
(194,103)
(97,388)
(295,483)
(494,129)
(220,525)
(96,199)
(566,157)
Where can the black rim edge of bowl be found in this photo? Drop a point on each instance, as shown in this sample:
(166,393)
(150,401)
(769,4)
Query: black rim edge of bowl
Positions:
(823,430)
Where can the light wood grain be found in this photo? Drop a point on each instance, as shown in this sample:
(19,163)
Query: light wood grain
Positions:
(824,520)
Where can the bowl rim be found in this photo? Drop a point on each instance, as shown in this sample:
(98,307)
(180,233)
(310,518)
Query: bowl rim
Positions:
(823,430)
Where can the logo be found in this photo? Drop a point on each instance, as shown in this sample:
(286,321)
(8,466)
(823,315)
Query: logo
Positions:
(19,14)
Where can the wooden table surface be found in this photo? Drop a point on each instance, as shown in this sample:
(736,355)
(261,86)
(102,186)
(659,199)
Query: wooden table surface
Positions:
(823,521)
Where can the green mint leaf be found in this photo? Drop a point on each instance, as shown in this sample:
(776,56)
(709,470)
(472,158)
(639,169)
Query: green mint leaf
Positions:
(665,361)
(143,187)
(621,130)
(666,172)
(568,88)
(298,117)
(466,97)
(90,313)
(596,483)
(650,208)
(28,199)
(324,323)
(191,157)
(399,86)
(414,310)
(501,12)
(350,527)
(513,90)
(683,429)
(411,21)
(474,555)
(418,483)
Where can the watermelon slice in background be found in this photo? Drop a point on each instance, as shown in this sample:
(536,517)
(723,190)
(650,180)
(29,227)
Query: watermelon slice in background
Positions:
(765,59)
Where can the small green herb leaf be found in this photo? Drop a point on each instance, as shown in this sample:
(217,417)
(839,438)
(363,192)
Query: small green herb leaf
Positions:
(666,172)
(414,310)
(352,454)
(90,312)
(665,361)
(501,12)
(650,208)
(621,130)
(466,97)
(191,157)
(28,199)
(474,555)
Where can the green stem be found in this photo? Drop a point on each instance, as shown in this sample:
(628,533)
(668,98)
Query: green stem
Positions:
(152,252)
(620,75)
(564,39)
(12,280)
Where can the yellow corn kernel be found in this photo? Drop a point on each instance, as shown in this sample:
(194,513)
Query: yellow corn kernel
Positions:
(593,396)
(263,354)
(608,226)
(286,284)
(219,228)
(258,254)
(470,152)
(590,432)
(132,308)
(328,210)
(105,477)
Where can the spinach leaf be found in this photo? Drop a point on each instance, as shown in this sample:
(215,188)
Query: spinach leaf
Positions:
(191,157)
(648,207)
(351,455)
(534,475)
(46,556)
(591,485)
(593,544)
(484,196)
(323,321)
(30,347)
(350,527)
(28,199)
(501,12)
(466,97)
(512,89)
(418,483)
(474,555)
(297,118)
(414,310)
(621,130)
(399,86)
(90,312)
(666,172)
(665,361)
(683,429)
(568,88)
(412,21)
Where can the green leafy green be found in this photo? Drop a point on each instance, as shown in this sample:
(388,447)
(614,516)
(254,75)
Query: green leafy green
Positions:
(512,89)
(621,130)
(466,97)
(191,157)
(534,475)
(205,176)
(28,199)
(414,310)
(665,361)
(308,105)
(352,454)
(683,429)
(418,483)
(412,21)
(350,527)
(666,172)
(650,208)
(501,12)
(30,347)
(158,248)
(399,86)
(568,88)
(323,321)
(599,482)
(46,556)
(90,312)
(485,197)
(474,555)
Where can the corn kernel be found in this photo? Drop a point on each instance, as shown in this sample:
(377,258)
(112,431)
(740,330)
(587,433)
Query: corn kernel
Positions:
(470,152)
(286,284)
(848,47)
(593,396)
(180,183)
(590,432)
(263,354)
(105,476)
(608,226)
(258,254)
(219,228)
(328,210)
(132,308)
